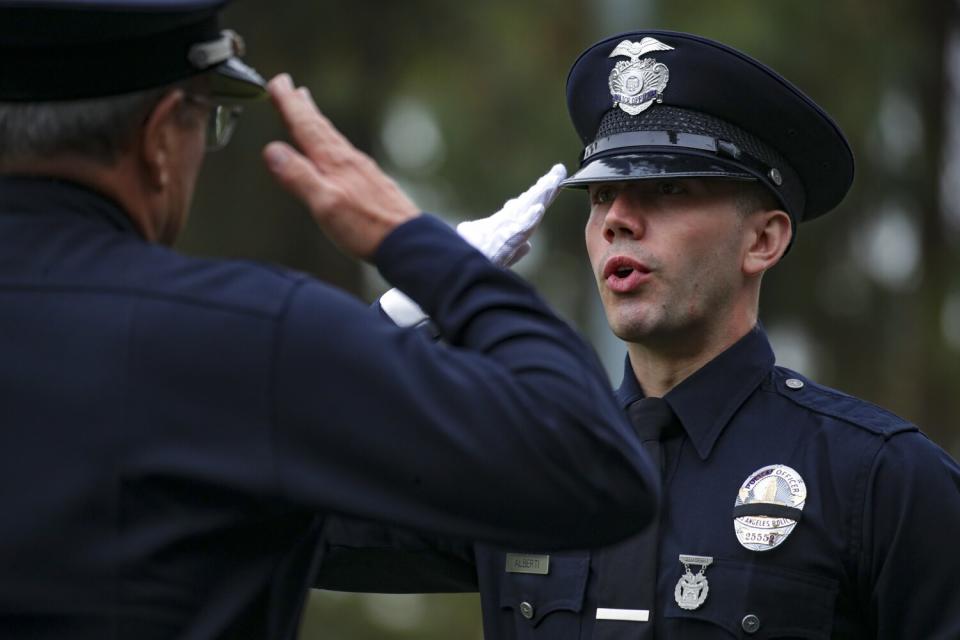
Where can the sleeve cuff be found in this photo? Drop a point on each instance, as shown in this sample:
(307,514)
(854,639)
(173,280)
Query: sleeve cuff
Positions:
(417,256)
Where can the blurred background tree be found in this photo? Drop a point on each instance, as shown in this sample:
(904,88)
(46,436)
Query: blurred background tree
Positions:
(464,105)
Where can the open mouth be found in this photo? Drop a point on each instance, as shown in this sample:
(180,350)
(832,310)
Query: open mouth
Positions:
(623,274)
(623,267)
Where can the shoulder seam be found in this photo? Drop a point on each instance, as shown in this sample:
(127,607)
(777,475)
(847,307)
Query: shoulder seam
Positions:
(856,534)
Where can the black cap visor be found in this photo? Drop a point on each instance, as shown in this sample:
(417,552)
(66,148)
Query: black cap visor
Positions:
(235,80)
(651,166)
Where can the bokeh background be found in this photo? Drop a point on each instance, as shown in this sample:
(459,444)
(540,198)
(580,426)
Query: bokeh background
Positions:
(463,103)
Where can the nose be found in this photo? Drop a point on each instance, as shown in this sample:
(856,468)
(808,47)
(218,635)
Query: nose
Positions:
(623,219)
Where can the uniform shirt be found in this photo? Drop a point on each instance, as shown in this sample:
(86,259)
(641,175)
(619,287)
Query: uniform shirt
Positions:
(871,557)
(174,430)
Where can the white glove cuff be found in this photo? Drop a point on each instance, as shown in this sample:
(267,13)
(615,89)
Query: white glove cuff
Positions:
(402,310)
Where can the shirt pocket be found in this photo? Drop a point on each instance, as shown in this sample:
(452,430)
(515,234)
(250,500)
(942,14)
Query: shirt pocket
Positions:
(760,602)
(532,606)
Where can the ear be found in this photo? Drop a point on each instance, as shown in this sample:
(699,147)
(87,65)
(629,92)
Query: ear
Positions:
(157,139)
(768,236)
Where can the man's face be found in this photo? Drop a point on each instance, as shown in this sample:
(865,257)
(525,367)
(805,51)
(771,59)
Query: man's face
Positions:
(666,254)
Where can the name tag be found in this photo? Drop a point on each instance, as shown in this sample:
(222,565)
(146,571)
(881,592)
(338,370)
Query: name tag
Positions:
(527,563)
(633,615)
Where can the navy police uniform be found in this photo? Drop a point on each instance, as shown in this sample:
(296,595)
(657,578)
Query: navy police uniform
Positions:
(789,510)
(867,557)
(176,430)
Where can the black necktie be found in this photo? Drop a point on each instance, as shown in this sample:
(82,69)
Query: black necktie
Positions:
(632,565)
(653,420)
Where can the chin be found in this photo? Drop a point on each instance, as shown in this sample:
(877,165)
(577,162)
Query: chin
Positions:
(647,325)
(631,330)
(630,322)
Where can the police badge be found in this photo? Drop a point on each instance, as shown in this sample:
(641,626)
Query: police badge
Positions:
(768,507)
(636,83)
(691,590)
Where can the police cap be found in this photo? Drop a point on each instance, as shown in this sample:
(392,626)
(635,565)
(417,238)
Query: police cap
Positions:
(655,104)
(75,49)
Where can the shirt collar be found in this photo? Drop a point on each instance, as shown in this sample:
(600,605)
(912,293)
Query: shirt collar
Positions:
(42,195)
(707,400)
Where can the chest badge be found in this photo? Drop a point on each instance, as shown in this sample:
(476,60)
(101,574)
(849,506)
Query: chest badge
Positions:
(768,507)
(692,589)
(636,83)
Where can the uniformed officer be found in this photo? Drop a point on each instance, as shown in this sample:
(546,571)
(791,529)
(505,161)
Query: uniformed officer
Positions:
(174,429)
(789,510)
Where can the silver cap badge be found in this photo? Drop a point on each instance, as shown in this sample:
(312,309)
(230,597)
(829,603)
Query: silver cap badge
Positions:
(636,83)
(768,507)
(691,590)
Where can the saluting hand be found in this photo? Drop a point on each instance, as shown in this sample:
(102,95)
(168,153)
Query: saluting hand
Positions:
(503,237)
(352,200)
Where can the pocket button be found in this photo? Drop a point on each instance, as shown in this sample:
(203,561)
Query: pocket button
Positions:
(750,623)
(526,610)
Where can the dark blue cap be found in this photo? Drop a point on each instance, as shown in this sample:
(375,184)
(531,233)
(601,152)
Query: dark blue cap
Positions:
(655,104)
(75,49)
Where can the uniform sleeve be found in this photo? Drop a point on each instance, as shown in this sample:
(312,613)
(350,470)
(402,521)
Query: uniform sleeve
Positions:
(506,431)
(368,556)
(911,526)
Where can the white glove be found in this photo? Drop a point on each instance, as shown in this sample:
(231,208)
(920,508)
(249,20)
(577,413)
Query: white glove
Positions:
(503,237)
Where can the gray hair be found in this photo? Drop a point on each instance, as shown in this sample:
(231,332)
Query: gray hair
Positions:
(99,129)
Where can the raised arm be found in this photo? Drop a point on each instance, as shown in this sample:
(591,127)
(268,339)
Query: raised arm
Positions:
(508,432)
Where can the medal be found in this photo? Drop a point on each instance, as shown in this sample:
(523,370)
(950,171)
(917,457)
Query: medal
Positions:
(692,589)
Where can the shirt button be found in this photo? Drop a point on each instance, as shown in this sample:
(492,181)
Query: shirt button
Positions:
(526,610)
(750,623)
(794,384)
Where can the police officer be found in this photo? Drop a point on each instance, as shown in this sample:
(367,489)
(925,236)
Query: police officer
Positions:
(789,510)
(175,430)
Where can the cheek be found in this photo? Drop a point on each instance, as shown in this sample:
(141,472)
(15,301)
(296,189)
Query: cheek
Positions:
(593,239)
(713,279)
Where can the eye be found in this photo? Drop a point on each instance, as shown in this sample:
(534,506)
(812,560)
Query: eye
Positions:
(604,194)
(670,188)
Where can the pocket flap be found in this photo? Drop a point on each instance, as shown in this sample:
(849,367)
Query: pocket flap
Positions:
(754,601)
(534,596)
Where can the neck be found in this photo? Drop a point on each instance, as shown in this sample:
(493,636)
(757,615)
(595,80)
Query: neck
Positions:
(117,181)
(660,365)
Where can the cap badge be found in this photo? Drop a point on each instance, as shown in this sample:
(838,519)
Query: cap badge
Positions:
(691,590)
(635,84)
(768,507)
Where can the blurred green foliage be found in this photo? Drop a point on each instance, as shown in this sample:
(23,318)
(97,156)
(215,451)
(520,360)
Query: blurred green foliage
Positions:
(464,105)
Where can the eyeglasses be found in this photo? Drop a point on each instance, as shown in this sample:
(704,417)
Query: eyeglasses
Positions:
(221,122)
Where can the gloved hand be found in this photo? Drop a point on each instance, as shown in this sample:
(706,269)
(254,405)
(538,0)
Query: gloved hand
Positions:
(503,237)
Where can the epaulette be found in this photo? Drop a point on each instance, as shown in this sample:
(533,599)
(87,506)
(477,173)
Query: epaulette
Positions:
(836,404)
